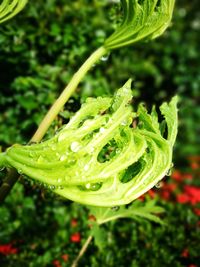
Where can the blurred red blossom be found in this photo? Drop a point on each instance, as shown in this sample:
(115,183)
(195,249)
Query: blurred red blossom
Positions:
(151,193)
(177,176)
(193,193)
(194,162)
(197,211)
(182,198)
(185,253)
(8,249)
(65,257)
(76,237)
(56,263)
(74,222)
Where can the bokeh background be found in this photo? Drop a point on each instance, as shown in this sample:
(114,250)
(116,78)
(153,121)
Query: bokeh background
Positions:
(40,49)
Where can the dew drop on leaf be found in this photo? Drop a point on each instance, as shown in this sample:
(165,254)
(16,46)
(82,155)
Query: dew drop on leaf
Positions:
(115,208)
(20,171)
(88,186)
(158,185)
(59,180)
(169,172)
(105,57)
(75,146)
(63,157)
(40,159)
(52,187)
(102,130)
(86,167)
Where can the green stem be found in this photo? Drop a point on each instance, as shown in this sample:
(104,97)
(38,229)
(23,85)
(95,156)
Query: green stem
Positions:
(11,178)
(1,160)
(65,95)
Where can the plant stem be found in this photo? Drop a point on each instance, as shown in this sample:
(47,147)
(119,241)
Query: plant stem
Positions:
(12,175)
(11,178)
(82,251)
(65,95)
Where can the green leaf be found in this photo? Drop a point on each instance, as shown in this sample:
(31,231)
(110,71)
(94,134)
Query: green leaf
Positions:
(169,111)
(133,211)
(142,20)
(10,8)
(100,237)
(98,158)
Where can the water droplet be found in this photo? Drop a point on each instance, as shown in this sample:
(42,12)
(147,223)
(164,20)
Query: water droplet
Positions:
(115,208)
(169,172)
(63,157)
(158,185)
(52,187)
(20,171)
(75,146)
(61,137)
(105,57)
(60,187)
(53,147)
(59,180)
(86,167)
(96,186)
(88,186)
(40,159)
(102,130)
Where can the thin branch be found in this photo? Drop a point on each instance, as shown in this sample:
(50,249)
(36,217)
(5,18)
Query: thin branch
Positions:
(82,251)
(10,179)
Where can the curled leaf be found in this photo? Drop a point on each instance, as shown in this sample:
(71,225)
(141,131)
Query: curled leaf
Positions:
(10,8)
(142,20)
(99,158)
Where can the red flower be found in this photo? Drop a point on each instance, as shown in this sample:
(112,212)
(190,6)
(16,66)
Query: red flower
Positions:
(65,257)
(197,211)
(56,263)
(141,198)
(177,176)
(74,222)
(192,265)
(75,238)
(165,195)
(182,198)
(8,249)
(194,165)
(185,253)
(187,176)
(151,193)
(193,193)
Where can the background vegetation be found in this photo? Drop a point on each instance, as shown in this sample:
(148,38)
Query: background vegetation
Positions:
(40,49)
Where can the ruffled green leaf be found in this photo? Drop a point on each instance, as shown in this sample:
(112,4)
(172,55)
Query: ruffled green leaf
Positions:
(99,158)
(136,210)
(10,8)
(142,20)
